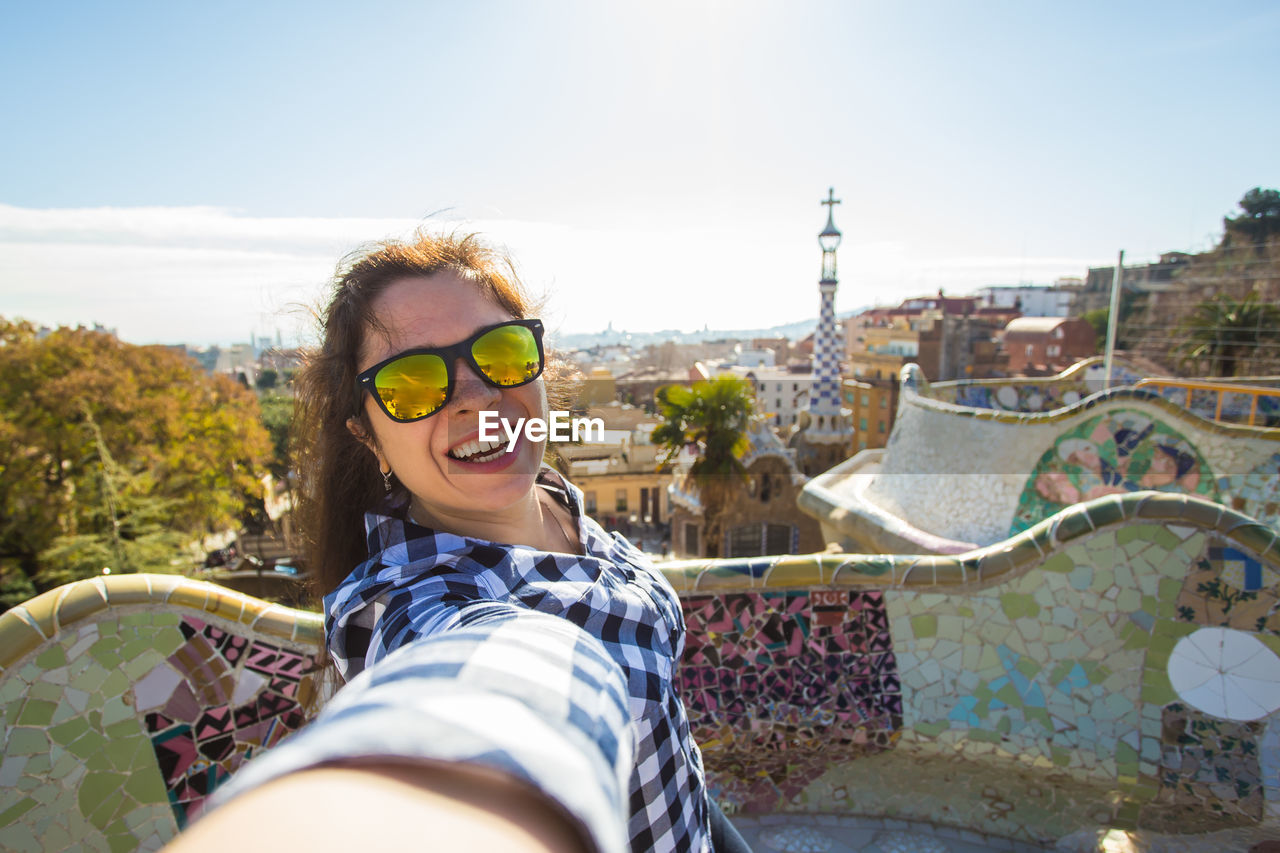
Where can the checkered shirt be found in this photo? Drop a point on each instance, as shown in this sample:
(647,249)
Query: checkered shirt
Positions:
(549,689)
(420,582)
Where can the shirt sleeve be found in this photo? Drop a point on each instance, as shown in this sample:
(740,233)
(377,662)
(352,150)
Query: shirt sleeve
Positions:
(521,692)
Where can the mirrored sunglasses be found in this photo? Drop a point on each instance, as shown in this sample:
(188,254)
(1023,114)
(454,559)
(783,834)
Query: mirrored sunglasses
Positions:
(417,383)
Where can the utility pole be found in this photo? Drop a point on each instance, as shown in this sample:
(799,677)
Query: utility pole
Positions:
(1113,317)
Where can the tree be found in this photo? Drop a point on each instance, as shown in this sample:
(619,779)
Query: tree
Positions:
(1245,261)
(1259,221)
(277,418)
(267,379)
(1225,333)
(115,452)
(711,416)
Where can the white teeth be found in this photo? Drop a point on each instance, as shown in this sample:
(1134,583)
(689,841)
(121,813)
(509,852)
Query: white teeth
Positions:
(481,450)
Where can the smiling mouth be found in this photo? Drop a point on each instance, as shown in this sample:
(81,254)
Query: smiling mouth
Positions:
(479,451)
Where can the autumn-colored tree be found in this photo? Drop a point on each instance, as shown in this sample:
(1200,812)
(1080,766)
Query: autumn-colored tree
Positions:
(712,416)
(114,455)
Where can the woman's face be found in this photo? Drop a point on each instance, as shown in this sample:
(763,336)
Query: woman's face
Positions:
(437,311)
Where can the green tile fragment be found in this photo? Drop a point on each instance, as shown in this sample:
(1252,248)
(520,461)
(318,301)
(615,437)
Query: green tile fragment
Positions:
(115,684)
(925,625)
(52,658)
(146,785)
(27,741)
(1028,667)
(122,842)
(70,730)
(17,810)
(87,745)
(45,690)
(1060,563)
(36,712)
(1019,605)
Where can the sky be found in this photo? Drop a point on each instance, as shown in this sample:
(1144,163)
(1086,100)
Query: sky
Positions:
(189,172)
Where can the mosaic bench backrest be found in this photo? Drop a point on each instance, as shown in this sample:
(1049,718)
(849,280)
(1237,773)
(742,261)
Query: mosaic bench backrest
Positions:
(126,700)
(1045,394)
(977,475)
(827,682)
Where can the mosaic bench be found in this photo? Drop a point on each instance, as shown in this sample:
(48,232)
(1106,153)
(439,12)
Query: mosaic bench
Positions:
(1030,690)
(956,477)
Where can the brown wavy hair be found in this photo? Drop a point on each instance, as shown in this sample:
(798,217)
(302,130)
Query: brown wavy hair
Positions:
(338,477)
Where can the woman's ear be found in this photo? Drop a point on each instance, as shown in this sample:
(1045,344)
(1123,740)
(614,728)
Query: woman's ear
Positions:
(357,429)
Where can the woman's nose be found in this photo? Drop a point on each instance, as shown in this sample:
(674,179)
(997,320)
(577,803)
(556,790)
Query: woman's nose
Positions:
(473,393)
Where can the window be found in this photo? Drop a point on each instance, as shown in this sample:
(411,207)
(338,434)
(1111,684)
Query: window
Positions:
(620,504)
(882,427)
(779,389)
(744,541)
(884,401)
(795,386)
(691,539)
(1030,349)
(866,399)
(862,424)
(590,498)
(1053,349)
(777,538)
(778,403)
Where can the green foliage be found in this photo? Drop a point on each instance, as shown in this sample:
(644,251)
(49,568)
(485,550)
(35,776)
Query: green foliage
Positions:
(1098,319)
(1222,332)
(1259,220)
(267,379)
(277,418)
(712,416)
(115,455)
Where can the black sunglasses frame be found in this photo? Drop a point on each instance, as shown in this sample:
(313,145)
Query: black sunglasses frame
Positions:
(450,355)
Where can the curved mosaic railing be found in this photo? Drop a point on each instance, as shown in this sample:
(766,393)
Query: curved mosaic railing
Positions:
(128,698)
(1025,690)
(955,477)
(1249,400)
(1030,394)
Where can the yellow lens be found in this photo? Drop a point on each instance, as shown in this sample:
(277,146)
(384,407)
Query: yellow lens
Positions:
(508,355)
(413,386)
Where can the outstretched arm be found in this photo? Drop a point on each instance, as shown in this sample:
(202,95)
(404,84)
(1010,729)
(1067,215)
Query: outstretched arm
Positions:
(517,727)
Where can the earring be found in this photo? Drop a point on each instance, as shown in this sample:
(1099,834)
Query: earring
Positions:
(386,479)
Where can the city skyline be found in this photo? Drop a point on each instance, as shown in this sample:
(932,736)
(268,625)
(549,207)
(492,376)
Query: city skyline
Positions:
(189,175)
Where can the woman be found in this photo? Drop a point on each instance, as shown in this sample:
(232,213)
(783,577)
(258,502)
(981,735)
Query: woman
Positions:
(447,532)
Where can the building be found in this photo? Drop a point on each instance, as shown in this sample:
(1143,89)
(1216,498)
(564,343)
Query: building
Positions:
(949,337)
(781,394)
(621,485)
(1139,279)
(823,432)
(1048,344)
(761,518)
(1031,300)
(873,403)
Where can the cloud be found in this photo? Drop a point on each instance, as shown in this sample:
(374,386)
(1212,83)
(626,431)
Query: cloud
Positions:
(208,275)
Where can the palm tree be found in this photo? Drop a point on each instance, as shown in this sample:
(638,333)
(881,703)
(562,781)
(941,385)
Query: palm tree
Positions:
(711,416)
(1225,331)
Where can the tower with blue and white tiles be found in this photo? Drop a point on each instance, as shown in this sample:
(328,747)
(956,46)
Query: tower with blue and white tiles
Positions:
(826,433)
(825,398)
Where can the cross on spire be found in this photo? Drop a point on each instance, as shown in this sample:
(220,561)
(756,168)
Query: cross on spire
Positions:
(831,200)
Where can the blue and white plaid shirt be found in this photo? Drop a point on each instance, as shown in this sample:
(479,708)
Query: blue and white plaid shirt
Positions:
(419,582)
